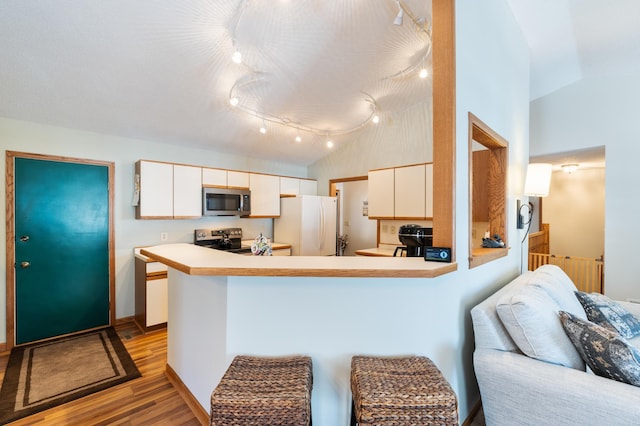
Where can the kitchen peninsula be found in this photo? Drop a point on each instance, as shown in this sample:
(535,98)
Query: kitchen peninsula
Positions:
(331,308)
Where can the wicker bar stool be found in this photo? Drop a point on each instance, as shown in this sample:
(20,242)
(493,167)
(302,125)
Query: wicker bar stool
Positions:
(264,391)
(393,391)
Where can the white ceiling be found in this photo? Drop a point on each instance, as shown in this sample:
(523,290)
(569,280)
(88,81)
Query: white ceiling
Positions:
(574,39)
(161,69)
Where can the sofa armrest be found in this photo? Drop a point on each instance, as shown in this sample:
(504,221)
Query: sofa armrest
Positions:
(516,389)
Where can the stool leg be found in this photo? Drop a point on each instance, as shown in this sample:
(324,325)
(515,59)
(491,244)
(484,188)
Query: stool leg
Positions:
(353,414)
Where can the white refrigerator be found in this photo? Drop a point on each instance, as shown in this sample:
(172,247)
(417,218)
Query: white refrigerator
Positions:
(308,223)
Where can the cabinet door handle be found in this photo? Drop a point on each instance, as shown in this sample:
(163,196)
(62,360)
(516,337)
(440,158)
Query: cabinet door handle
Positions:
(24,238)
(25,264)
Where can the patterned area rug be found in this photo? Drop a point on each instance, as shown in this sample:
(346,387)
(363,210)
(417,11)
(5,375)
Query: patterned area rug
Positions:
(42,375)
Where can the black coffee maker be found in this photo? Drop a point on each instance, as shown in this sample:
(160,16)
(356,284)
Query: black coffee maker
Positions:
(415,238)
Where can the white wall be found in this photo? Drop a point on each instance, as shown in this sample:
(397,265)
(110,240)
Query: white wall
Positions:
(593,113)
(129,233)
(361,231)
(574,210)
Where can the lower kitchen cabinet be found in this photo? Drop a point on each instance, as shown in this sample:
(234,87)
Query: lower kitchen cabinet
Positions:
(151,294)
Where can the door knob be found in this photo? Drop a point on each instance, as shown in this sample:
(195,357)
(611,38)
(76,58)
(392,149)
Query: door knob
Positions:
(25,264)
(24,238)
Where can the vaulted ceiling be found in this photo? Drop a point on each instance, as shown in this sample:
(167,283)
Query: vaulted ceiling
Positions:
(162,70)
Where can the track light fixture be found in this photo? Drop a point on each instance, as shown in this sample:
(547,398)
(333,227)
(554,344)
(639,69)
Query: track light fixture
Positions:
(400,15)
(241,97)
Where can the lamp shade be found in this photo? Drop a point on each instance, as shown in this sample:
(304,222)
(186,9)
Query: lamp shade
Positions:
(536,183)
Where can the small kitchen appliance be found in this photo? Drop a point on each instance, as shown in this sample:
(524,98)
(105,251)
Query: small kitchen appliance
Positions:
(414,239)
(226,202)
(227,239)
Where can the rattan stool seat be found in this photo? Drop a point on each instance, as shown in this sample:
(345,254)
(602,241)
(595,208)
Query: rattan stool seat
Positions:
(264,391)
(393,391)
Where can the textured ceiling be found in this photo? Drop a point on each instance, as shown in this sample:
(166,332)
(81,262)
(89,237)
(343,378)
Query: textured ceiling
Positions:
(161,69)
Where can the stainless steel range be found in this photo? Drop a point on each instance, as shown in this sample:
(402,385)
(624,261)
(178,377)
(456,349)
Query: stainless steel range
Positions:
(227,239)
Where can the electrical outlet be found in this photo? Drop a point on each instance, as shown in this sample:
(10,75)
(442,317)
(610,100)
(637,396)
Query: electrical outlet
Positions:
(164,236)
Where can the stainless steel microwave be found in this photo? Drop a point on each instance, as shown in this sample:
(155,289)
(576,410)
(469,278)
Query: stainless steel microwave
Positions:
(226,202)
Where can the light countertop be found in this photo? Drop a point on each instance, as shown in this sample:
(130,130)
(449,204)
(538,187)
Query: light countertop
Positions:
(195,260)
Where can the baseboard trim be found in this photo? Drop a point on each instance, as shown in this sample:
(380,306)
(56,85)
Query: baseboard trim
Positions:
(200,413)
(472,415)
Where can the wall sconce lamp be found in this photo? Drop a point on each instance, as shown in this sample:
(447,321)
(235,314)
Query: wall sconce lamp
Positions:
(536,184)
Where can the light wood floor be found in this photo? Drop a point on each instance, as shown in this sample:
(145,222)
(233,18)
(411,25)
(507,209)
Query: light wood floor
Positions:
(148,400)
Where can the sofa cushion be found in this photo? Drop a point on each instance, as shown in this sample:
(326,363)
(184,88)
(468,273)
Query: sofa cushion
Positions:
(557,284)
(530,316)
(609,314)
(605,351)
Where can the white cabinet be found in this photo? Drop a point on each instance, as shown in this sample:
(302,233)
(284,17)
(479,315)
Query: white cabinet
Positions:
(289,186)
(281,252)
(151,294)
(187,192)
(237,180)
(156,190)
(381,193)
(401,193)
(409,192)
(214,177)
(308,187)
(265,195)
(168,191)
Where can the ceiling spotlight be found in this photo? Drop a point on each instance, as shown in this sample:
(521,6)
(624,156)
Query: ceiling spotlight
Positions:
(329,144)
(399,16)
(569,168)
(237,57)
(423,73)
(234,101)
(263,128)
(298,138)
(376,119)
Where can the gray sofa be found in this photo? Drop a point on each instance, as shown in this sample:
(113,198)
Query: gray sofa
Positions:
(550,385)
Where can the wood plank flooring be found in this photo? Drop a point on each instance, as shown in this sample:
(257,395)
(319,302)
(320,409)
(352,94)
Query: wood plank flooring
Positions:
(148,400)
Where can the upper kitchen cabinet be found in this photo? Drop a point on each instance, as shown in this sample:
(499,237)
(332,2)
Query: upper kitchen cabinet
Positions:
(381,194)
(290,186)
(221,178)
(409,191)
(237,180)
(401,193)
(265,195)
(216,178)
(155,186)
(187,192)
(308,187)
(168,191)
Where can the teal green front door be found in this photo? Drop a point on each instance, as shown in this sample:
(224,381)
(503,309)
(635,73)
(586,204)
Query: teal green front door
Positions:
(61,248)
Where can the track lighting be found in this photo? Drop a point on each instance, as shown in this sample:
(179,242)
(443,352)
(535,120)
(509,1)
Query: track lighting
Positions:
(263,128)
(329,144)
(423,73)
(234,101)
(237,57)
(298,138)
(376,119)
(399,16)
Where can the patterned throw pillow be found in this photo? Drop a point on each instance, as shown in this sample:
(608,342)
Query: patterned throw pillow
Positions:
(604,351)
(609,314)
